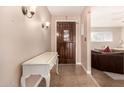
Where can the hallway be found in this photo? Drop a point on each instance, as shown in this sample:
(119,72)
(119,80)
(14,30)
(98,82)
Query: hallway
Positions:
(34,32)
(70,76)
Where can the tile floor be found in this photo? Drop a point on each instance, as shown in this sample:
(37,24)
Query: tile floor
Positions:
(69,76)
(105,81)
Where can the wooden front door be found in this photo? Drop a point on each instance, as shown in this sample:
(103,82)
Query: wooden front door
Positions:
(66,42)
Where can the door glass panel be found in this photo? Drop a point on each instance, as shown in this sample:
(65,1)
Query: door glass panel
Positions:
(66,35)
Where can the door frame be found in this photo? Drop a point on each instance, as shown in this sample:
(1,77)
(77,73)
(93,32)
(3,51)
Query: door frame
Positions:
(75,35)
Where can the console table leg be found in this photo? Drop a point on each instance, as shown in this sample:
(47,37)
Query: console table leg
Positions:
(47,78)
(23,81)
(57,70)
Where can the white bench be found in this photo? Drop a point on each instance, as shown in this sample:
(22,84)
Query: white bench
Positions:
(40,65)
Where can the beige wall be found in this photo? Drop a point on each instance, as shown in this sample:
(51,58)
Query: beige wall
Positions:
(116,31)
(122,33)
(21,38)
(85,40)
(78,36)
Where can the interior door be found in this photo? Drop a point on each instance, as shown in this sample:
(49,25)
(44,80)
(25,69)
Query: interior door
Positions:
(66,42)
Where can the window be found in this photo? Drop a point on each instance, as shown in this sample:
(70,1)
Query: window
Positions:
(66,35)
(101,36)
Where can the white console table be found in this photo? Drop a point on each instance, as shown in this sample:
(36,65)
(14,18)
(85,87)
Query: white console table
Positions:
(40,65)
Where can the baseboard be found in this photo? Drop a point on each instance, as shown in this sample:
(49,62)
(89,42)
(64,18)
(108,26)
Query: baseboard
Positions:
(88,72)
(78,63)
(84,68)
(94,80)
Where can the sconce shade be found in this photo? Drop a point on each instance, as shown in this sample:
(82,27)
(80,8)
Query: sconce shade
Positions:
(43,26)
(24,10)
(32,13)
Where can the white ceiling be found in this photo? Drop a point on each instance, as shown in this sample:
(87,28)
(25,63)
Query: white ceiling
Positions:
(107,16)
(65,10)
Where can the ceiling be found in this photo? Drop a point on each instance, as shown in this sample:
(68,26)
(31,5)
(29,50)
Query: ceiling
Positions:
(65,10)
(101,16)
(107,16)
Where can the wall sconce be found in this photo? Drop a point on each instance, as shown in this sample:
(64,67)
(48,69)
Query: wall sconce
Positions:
(45,25)
(28,11)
